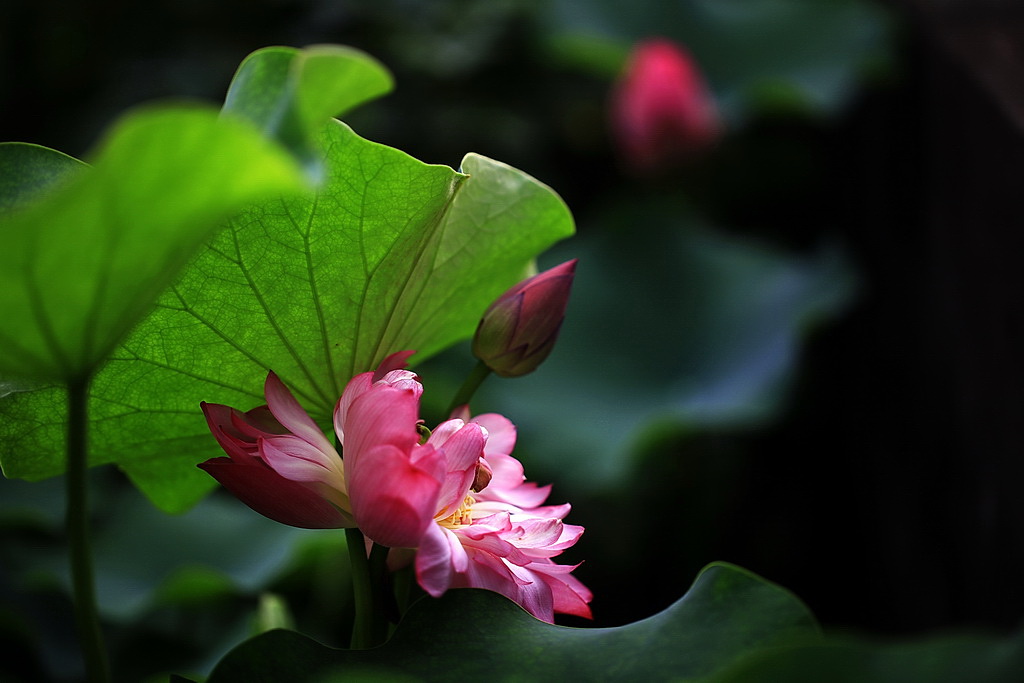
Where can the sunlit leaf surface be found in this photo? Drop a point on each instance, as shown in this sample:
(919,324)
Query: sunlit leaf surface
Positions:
(389,254)
(290,93)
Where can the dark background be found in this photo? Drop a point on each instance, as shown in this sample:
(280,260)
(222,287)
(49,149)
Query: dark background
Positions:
(887,492)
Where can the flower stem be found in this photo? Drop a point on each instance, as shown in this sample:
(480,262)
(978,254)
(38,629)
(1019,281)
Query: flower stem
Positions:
(360,569)
(77,522)
(476,377)
(369,583)
(384,601)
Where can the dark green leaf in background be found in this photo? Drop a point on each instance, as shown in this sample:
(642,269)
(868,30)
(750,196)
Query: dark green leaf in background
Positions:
(703,330)
(26,170)
(942,659)
(478,635)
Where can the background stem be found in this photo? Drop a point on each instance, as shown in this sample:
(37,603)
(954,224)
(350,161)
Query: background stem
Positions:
(77,522)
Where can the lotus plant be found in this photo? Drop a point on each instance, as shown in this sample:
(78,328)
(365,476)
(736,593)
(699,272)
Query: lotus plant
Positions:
(455,495)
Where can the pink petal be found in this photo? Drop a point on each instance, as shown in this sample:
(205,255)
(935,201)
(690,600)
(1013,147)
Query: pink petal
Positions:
(295,459)
(461,413)
(273,496)
(394,523)
(354,389)
(462,445)
(498,523)
(248,431)
(570,534)
(445,431)
(360,384)
(495,537)
(257,422)
(393,495)
(501,433)
(290,414)
(508,483)
(488,572)
(464,449)
(570,595)
(537,532)
(402,379)
(534,595)
(395,361)
(380,415)
(219,418)
(439,557)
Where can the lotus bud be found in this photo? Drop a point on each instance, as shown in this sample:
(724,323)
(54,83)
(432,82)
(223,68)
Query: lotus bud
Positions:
(662,112)
(519,329)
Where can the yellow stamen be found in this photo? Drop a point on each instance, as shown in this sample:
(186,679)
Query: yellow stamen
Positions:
(461,517)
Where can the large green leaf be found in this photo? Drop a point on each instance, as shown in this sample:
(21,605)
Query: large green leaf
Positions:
(945,659)
(81,267)
(291,93)
(389,254)
(478,635)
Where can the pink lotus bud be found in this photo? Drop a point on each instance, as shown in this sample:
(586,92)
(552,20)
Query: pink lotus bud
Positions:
(662,111)
(519,330)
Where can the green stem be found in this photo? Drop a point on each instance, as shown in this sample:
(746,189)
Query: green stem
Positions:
(403,581)
(362,591)
(384,601)
(369,585)
(476,377)
(86,614)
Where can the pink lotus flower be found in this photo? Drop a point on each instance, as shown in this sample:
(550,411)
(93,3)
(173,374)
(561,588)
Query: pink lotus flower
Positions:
(499,538)
(518,331)
(662,111)
(457,496)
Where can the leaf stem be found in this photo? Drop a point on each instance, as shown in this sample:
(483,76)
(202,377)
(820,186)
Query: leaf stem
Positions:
(87,620)
(474,379)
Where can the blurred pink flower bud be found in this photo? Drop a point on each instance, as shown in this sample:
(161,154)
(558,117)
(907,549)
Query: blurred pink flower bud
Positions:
(519,329)
(662,112)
